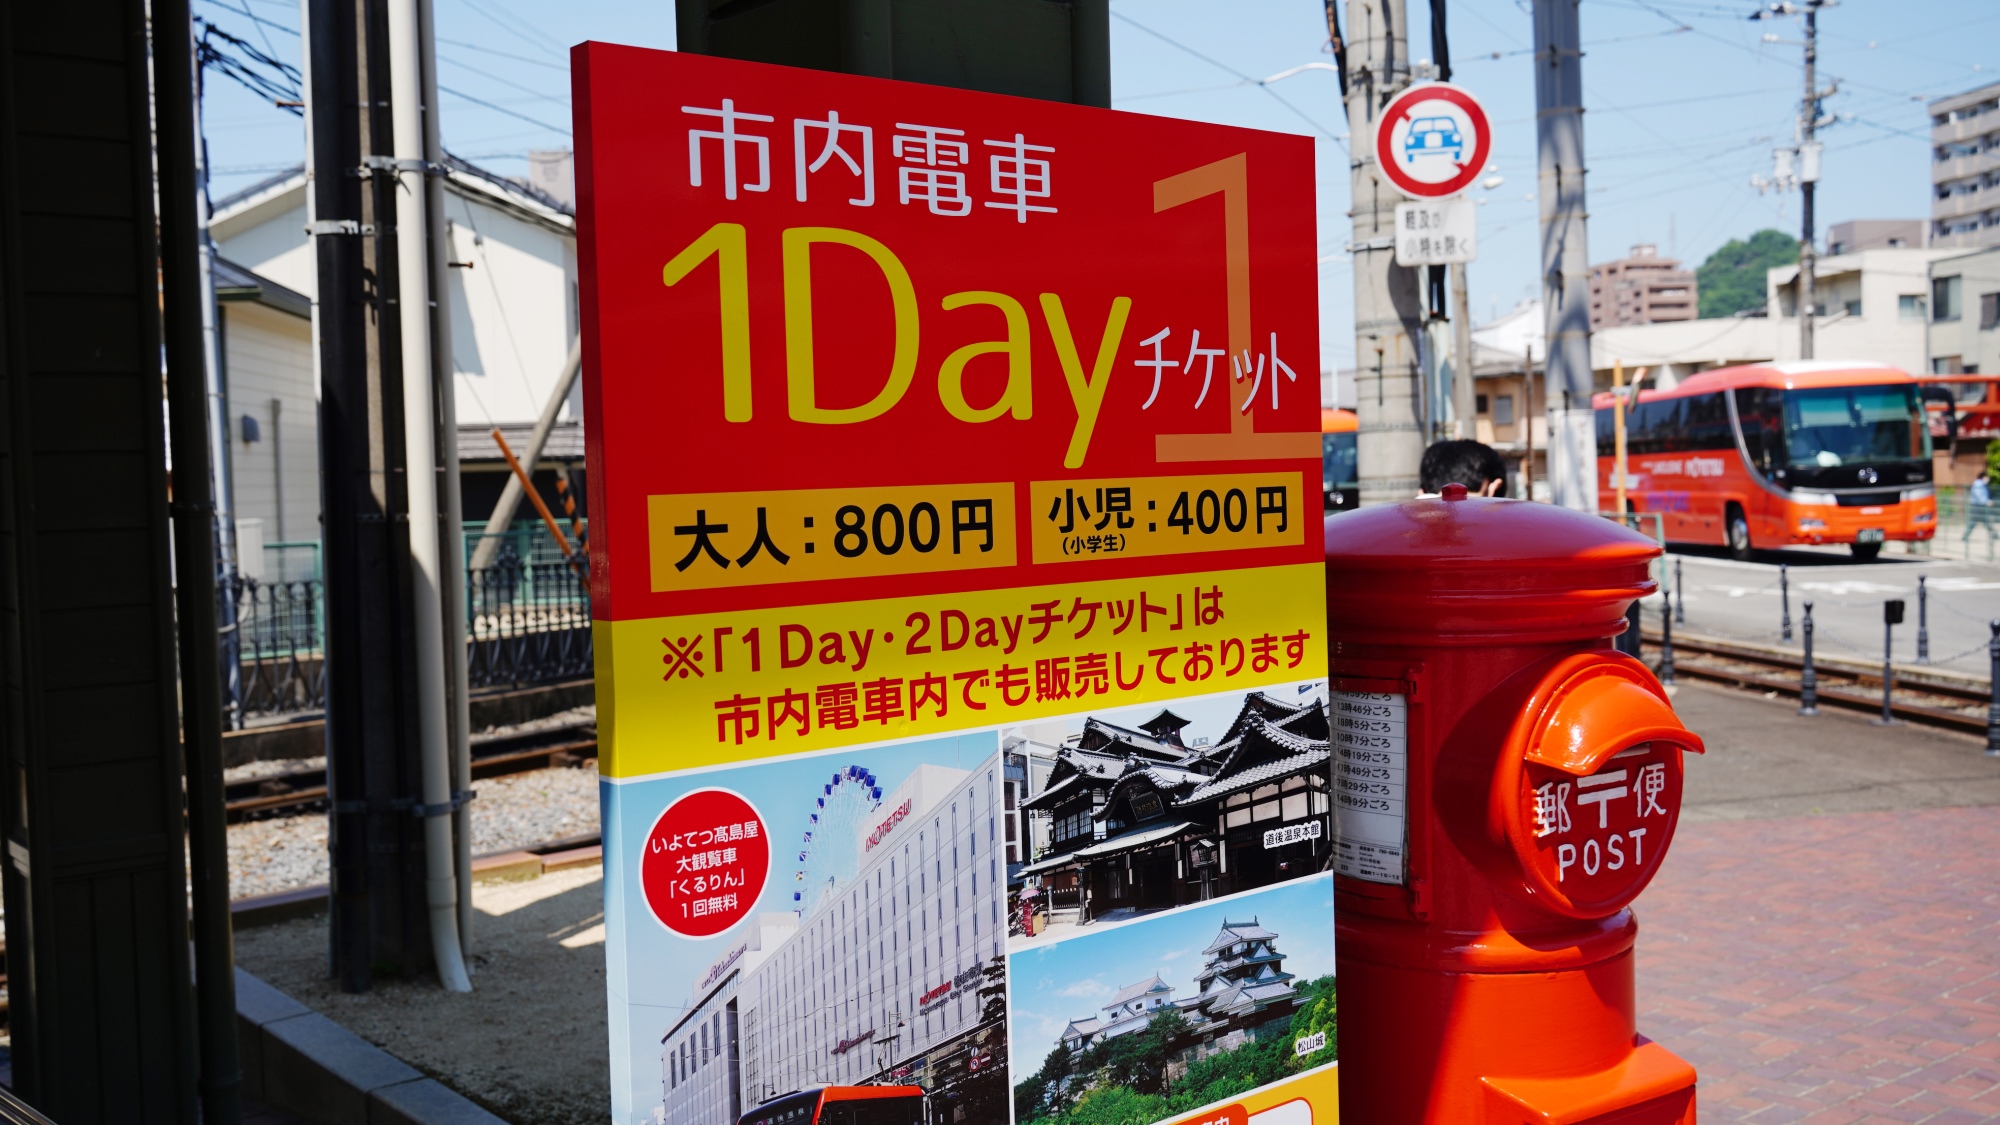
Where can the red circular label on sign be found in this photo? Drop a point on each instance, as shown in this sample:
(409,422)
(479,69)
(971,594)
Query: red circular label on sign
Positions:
(706,861)
(1432,140)
(1593,842)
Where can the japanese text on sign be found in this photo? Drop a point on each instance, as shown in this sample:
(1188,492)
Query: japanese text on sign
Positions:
(705,862)
(931,161)
(752,538)
(1371,744)
(1137,516)
(1436,232)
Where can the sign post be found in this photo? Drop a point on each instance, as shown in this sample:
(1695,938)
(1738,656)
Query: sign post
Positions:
(936,436)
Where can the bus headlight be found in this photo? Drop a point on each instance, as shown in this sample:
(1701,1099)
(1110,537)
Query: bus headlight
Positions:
(1810,524)
(1801,496)
(1924,517)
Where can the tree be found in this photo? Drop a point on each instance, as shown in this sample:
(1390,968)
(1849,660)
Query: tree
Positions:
(1318,1011)
(1732,279)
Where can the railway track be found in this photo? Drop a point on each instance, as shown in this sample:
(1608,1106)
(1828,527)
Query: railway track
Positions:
(1930,697)
(298,790)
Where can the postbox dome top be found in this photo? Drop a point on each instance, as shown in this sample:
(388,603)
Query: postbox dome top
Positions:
(1481,570)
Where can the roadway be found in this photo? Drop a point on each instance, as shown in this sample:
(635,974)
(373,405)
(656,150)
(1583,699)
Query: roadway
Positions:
(1740,600)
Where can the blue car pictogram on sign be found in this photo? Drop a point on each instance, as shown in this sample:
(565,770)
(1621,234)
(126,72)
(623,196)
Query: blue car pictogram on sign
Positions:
(1433,135)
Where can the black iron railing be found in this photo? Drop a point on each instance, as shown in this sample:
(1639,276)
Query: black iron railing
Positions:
(526,622)
(529,623)
(280,639)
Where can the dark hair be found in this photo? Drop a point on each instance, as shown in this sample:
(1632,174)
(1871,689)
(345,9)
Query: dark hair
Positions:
(1470,463)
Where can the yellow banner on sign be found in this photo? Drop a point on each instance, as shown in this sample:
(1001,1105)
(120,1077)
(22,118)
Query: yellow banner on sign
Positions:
(700,541)
(1136,516)
(675,693)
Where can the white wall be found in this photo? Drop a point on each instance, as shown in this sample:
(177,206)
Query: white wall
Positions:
(513,313)
(268,355)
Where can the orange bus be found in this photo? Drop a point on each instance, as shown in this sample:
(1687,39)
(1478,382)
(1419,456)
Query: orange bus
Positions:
(842,1105)
(1768,455)
(1340,480)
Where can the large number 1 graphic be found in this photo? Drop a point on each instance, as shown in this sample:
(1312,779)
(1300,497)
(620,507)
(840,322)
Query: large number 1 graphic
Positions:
(1230,178)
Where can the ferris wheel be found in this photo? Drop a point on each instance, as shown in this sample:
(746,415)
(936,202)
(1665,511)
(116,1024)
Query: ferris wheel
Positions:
(829,855)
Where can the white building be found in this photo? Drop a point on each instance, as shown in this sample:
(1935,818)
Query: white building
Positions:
(512,288)
(701,1065)
(879,980)
(265,341)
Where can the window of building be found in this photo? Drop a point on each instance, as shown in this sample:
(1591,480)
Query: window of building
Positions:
(1910,306)
(1989,311)
(1944,298)
(1479,404)
(1503,410)
(1853,307)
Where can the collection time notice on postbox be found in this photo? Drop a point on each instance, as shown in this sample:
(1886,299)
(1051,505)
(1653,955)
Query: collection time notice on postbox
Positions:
(957,596)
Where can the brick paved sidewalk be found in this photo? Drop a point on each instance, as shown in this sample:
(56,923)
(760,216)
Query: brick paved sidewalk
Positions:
(1831,969)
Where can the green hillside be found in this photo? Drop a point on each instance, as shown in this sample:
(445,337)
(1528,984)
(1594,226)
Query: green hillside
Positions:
(1732,279)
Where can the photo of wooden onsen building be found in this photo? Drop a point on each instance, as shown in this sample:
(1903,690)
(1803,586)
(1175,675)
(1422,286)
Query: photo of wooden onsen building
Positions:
(1138,820)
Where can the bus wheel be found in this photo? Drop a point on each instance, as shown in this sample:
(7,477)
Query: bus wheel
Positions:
(1739,533)
(1865,552)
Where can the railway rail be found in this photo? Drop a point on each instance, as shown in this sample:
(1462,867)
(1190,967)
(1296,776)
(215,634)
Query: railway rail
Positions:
(1930,697)
(299,790)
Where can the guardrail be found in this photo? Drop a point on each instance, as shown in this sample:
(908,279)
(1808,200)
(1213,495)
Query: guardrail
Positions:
(527,622)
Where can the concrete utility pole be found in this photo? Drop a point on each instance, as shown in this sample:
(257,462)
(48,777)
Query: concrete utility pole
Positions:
(1388,311)
(1465,411)
(1807,156)
(1565,256)
(1808,180)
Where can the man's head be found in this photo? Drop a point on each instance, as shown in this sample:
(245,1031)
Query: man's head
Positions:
(1470,463)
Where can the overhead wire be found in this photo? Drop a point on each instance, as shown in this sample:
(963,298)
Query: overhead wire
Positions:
(498,108)
(1227,69)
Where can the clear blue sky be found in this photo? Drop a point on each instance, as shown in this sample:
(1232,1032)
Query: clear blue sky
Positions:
(1684,104)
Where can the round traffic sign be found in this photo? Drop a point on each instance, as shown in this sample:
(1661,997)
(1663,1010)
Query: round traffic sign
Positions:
(1432,140)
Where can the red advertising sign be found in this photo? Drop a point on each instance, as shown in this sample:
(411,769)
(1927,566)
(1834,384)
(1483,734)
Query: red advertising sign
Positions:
(915,416)
(842,343)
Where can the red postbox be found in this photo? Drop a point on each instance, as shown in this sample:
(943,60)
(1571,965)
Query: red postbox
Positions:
(1506,784)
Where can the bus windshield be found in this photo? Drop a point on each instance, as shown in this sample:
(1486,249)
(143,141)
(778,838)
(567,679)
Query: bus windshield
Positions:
(1830,426)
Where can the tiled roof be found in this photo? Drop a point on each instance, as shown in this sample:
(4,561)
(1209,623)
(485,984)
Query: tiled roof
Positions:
(475,441)
(1134,991)
(1233,932)
(1255,776)
(1125,842)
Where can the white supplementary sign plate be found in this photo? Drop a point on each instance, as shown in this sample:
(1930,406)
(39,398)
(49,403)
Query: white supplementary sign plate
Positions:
(1436,232)
(1371,750)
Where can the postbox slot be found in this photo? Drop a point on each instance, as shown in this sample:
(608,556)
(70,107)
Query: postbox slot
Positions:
(1601,710)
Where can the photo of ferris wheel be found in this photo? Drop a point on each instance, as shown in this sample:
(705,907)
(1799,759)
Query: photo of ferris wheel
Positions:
(829,850)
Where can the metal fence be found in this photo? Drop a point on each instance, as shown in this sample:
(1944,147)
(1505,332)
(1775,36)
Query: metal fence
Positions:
(527,622)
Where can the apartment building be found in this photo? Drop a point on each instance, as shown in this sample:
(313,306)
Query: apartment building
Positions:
(1965,169)
(1641,288)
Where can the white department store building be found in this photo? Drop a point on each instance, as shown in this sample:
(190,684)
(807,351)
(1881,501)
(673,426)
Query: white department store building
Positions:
(878,975)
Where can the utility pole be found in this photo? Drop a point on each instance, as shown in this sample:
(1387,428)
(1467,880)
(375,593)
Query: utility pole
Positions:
(223,479)
(1572,448)
(1805,158)
(1464,408)
(1388,309)
(367,176)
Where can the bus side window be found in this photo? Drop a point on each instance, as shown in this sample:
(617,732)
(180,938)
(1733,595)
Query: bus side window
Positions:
(1642,428)
(1761,411)
(837,1113)
(1707,420)
(1607,433)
